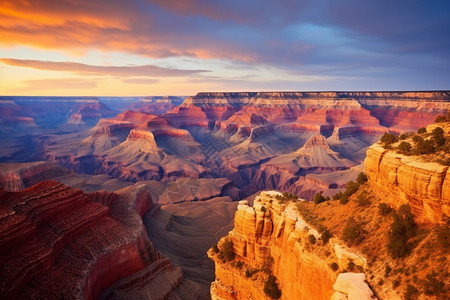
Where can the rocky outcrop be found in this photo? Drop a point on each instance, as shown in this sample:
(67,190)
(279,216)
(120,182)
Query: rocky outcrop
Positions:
(15,177)
(57,242)
(272,236)
(425,186)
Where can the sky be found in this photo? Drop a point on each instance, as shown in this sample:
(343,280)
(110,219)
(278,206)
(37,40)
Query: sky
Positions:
(181,47)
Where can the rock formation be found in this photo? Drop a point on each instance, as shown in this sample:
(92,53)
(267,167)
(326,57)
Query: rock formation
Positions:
(272,237)
(57,242)
(425,186)
(15,177)
(243,136)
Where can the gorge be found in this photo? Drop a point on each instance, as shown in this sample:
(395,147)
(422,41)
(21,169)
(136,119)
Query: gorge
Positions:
(130,199)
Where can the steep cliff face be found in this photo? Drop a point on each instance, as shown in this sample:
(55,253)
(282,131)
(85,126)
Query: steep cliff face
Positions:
(272,237)
(425,186)
(57,242)
(15,177)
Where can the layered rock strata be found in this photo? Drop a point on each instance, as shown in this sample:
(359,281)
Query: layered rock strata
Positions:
(15,177)
(425,186)
(272,235)
(57,242)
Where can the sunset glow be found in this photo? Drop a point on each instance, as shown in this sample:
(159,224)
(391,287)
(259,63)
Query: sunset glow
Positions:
(158,47)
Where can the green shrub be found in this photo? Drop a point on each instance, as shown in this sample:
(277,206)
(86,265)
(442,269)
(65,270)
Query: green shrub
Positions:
(425,147)
(388,139)
(396,283)
(326,235)
(438,137)
(384,209)
(422,130)
(404,148)
(271,287)
(361,179)
(387,270)
(318,198)
(417,139)
(238,264)
(350,266)
(247,273)
(411,292)
(334,266)
(267,264)
(432,286)
(312,239)
(337,196)
(363,199)
(402,228)
(227,250)
(350,189)
(443,118)
(403,136)
(353,232)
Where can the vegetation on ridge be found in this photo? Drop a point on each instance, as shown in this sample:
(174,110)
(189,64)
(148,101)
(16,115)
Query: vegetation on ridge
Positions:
(413,258)
(432,146)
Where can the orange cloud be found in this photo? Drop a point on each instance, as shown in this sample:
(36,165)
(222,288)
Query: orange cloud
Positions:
(84,69)
(137,27)
(58,84)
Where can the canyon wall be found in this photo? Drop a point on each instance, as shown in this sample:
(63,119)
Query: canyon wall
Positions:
(57,242)
(272,237)
(425,186)
(15,177)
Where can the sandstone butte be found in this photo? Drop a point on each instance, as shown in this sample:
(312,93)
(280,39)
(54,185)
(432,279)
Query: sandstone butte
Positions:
(59,243)
(273,232)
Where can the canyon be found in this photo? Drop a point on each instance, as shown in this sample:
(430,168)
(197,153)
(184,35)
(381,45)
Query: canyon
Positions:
(129,194)
(245,137)
(301,250)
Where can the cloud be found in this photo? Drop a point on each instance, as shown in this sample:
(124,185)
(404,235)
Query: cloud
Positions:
(84,69)
(60,83)
(140,81)
(319,38)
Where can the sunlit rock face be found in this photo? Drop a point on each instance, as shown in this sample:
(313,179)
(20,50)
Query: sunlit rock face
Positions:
(57,242)
(274,231)
(425,186)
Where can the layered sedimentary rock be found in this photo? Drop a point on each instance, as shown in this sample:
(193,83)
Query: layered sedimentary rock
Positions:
(15,177)
(272,236)
(57,242)
(241,136)
(425,186)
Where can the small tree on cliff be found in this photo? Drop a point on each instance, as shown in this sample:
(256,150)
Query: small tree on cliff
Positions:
(361,179)
(271,287)
(388,139)
(402,228)
(318,198)
(227,250)
(353,232)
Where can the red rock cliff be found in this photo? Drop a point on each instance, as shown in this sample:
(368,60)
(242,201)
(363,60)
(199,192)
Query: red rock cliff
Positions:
(57,242)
